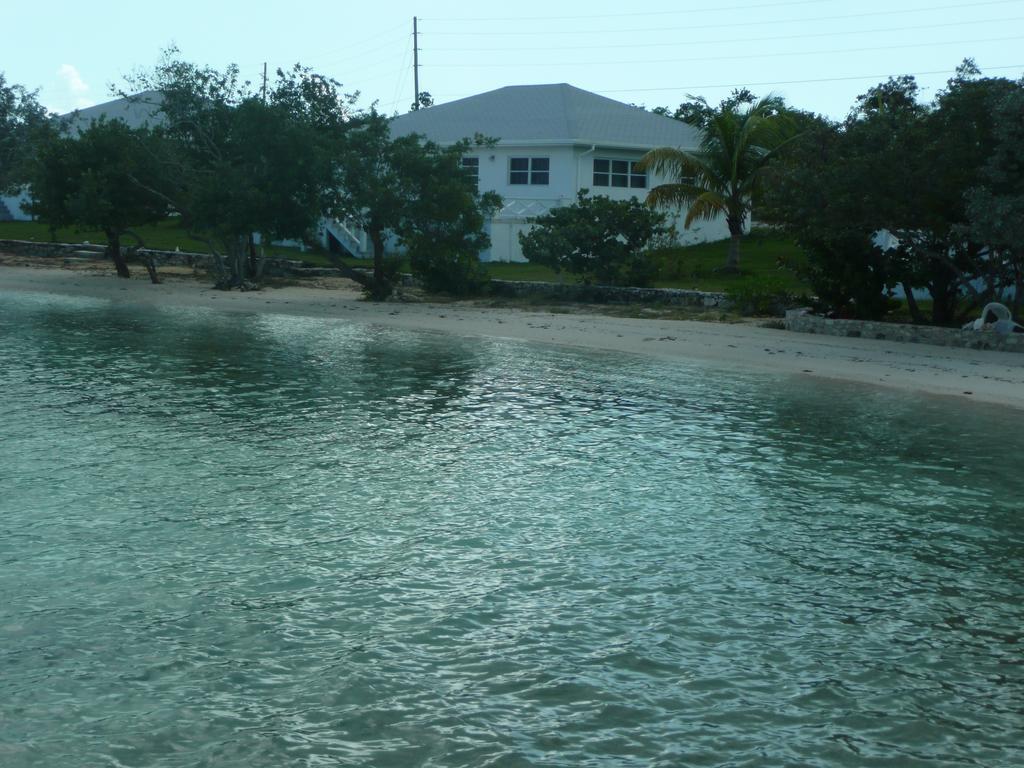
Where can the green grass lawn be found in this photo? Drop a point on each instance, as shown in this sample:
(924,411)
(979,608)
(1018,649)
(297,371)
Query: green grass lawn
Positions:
(767,259)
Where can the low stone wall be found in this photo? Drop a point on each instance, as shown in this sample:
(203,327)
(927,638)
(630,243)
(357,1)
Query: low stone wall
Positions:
(98,251)
(272,267)
(607,294)
(595,294)
(802,321)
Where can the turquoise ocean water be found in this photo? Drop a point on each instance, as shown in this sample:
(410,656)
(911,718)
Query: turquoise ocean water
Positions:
(231,540)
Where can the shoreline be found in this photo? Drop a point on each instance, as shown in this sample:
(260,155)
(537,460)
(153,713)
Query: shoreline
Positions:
(977,376)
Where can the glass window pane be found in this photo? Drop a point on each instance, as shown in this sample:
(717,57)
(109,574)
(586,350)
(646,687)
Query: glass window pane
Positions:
(519,163)
(601,166)
(518,177)
(541,163)
(620,166)
(620,180)
(638,180)
(600,179)
(471,162)
(539,177)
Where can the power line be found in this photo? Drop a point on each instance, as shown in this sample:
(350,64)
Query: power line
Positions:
(348,56)
(333,62)
(741,57)
(720,41)
(690,28)
(361,43)
(365,65)
(796,82)
(402,76)
(624,15)
(453,97)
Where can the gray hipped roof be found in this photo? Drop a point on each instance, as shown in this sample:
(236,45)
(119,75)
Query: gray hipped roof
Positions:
(557,113)
(137,111)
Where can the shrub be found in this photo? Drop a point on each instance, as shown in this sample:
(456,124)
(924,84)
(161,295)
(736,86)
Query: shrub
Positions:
(760,296)
(441,269)
(600,239)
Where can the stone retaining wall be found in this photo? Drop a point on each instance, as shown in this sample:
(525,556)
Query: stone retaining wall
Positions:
(596,294)
(98,251)
(272,267)
(802,321)
(607,294)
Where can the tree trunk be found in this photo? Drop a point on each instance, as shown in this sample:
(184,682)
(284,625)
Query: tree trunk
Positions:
(234,274)
(114,249)
(151,269)
(732,261)
(366,281)
(915,311)
(238,261)
(1018,294)
(381,290)
(945,291)
(148,259)
(251,248)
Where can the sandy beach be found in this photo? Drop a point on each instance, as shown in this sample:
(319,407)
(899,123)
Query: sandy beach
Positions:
(961,374)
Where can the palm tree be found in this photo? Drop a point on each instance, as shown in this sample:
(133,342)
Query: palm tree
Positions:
(723,176)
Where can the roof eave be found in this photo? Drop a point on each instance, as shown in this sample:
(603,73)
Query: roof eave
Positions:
(585,143)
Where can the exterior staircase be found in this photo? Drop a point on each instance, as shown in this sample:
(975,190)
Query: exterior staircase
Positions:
(349,238)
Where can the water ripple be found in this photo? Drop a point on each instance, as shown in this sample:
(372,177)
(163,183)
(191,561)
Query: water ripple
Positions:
(268,541)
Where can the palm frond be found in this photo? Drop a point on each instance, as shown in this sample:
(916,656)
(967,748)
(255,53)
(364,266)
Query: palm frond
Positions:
(673,195)
(669,161)
(721,177)
(706,207)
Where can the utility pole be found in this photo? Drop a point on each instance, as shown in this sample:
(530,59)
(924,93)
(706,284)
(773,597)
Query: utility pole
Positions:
(416,62)
(264,82)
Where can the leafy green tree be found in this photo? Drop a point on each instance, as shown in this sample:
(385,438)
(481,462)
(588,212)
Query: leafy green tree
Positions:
(901,167)
(995,207)
(91,181)
(22,119)
(600,239)
(943,153)
(816,190)
(235,164)
(697,112)
(415,191)
(724,176)
(423,100)
(443,229)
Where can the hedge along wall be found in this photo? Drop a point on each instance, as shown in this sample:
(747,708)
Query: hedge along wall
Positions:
(802,321)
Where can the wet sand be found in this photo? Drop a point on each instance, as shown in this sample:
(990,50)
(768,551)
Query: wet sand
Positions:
(961,374)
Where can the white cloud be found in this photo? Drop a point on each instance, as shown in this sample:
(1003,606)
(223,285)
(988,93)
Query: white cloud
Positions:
(76,86)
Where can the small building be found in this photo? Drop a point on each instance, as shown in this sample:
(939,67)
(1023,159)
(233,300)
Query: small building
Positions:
(552,141)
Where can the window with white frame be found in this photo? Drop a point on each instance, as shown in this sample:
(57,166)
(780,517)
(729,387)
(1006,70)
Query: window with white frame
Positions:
(618,173)
(529,170)
(471,168)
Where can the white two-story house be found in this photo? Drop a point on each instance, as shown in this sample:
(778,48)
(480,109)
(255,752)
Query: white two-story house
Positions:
(552,141)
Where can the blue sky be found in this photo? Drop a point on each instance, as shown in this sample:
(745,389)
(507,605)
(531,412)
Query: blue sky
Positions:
(819,54)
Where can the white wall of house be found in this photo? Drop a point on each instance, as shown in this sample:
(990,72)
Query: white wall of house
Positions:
(570,168)
(15,206)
